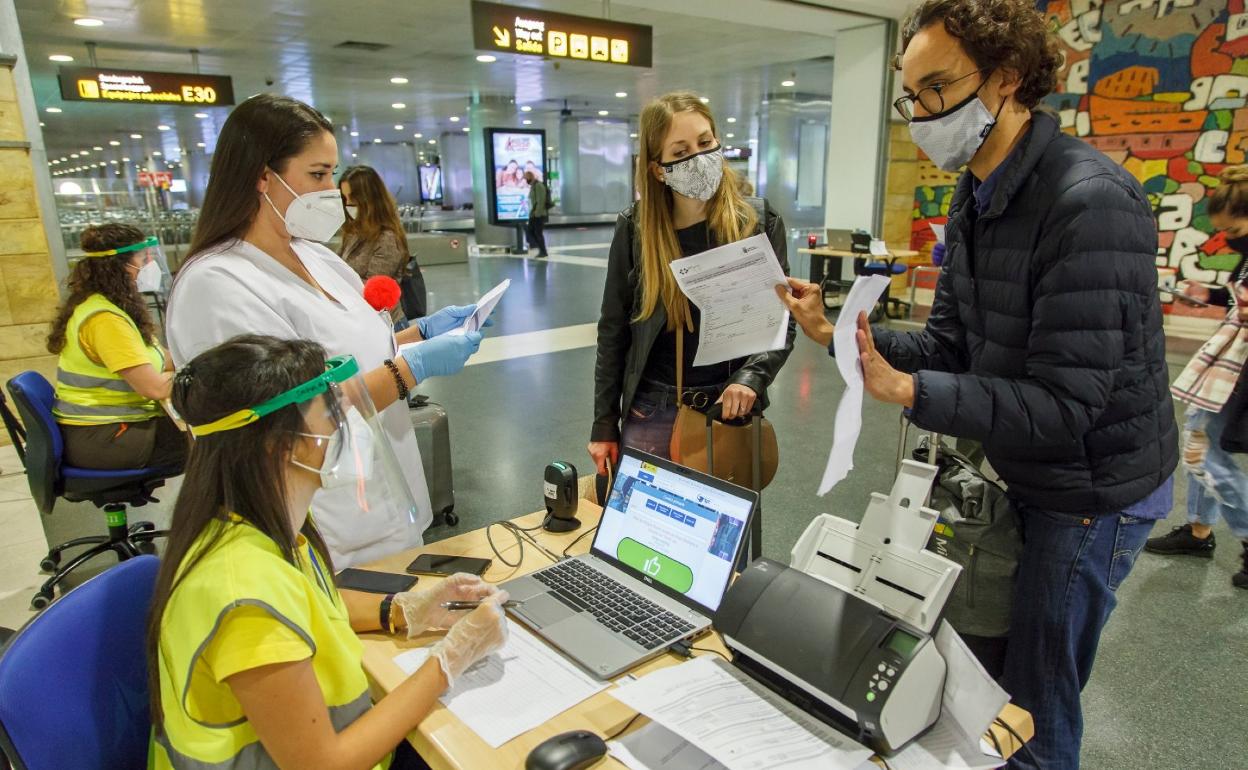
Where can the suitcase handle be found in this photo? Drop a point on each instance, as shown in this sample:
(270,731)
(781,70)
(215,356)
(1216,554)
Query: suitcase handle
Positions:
(716,412)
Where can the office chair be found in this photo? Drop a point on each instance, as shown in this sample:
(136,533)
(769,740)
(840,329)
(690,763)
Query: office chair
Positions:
(73,681)
(49,478)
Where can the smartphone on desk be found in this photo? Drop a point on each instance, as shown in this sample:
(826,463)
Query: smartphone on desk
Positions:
(372,582)
(445,564)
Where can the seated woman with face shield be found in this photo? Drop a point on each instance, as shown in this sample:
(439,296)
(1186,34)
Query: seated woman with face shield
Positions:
(111,370)
(252,651)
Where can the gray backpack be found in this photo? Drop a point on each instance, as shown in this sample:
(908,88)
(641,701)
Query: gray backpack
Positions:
(978,528)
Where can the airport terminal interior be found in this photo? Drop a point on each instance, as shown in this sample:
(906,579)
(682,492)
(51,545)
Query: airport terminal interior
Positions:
(111,112)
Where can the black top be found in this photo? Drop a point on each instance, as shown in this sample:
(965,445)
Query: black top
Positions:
(661,364)
(1045,339)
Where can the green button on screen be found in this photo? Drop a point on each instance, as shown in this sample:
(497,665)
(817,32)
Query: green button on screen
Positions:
(870,697)
(648,561)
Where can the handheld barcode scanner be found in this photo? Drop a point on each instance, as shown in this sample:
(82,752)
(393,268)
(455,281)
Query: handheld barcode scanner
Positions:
(559,485)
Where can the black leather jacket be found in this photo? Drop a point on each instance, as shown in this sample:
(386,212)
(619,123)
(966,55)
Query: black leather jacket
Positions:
(624,344)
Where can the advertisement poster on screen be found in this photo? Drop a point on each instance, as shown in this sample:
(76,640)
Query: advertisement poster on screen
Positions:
(510,153)
(430,183)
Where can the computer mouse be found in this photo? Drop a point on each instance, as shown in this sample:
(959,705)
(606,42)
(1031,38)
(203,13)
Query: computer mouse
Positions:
(573,750)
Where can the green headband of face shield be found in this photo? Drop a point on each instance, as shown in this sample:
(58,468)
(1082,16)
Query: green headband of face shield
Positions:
(337,369)
(143,244)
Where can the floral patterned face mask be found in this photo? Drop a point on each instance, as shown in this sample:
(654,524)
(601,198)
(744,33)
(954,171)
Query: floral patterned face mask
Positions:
(697,176)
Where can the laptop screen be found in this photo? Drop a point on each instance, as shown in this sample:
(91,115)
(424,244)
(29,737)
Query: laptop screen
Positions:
(674,528)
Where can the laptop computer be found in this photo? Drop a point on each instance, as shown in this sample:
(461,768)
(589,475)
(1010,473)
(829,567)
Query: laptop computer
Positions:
(839,239)
(655,574)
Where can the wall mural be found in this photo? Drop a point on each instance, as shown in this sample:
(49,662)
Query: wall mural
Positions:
(1160,87)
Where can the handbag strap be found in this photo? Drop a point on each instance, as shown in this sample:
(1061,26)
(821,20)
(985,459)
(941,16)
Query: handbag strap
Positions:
(680,365)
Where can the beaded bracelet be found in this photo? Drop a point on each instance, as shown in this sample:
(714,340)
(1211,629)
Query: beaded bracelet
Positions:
(398,379)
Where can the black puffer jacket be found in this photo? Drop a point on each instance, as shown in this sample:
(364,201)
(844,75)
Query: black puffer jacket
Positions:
(624,343)
(1045,339)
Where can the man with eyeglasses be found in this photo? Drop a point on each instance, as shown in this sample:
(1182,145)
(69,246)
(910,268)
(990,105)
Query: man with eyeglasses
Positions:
(1044,341)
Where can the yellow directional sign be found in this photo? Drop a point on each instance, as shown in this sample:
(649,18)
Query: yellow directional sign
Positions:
(535,32)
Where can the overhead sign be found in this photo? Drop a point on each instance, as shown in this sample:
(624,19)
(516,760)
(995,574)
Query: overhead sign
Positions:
(161,179)
(82,84)
(534,32)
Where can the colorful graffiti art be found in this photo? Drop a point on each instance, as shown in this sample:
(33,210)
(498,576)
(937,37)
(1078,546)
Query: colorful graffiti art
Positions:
(1160,86)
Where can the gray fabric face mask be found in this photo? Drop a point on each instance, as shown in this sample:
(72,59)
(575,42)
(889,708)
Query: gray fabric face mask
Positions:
(953,137)
(697,176)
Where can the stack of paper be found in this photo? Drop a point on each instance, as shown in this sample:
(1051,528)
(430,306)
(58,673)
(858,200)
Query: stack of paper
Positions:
(514,690)
(737,721)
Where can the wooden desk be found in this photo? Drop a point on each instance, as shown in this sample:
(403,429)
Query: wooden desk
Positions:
(445,742)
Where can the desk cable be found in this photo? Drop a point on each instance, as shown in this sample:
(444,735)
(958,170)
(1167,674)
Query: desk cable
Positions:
(623,729)
(684,648)
(1022,744)
(522,535)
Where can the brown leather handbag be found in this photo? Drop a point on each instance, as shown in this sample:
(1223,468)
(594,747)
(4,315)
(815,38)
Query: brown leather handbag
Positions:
(731,447)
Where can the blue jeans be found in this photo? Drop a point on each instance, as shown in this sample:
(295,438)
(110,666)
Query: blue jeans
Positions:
(1217,488)
(1070,569)
(652,415)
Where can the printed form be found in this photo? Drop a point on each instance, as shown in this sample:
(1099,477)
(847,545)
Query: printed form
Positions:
(737,721)
(734,287)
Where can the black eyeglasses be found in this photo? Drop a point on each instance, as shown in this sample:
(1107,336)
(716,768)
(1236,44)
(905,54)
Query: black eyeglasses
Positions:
(931,98)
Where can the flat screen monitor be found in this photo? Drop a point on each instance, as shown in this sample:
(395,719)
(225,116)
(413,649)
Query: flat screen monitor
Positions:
(431,183)
(510,152)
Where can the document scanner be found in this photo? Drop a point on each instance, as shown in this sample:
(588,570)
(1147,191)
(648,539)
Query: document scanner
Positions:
(845,633)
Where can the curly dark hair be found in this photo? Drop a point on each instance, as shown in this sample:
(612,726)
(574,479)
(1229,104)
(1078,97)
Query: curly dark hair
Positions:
(997,34)
(107,276)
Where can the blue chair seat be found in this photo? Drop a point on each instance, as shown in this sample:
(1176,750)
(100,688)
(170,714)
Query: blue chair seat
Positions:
(73,681)
(119,476)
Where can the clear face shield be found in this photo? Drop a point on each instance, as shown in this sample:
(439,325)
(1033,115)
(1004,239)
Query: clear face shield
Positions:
(358,467)
(152,268)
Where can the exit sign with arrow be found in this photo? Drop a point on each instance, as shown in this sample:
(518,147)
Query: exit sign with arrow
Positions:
(534,32)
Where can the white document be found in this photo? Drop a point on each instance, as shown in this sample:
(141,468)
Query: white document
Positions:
(513,690)
(879,248)
(485,306)
(939,231)
(862,297)
(654,747)
(943,748)
(972,699)
(737,721)
(734,287)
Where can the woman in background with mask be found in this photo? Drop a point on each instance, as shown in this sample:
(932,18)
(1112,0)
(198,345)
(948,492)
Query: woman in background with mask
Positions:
(252,654)
(689,202)
(257,264)
(1213,387)
(112,372)
(373,240)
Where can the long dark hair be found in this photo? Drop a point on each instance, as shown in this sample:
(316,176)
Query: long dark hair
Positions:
(263,132)
(107,276)
(239,471)
(377,212)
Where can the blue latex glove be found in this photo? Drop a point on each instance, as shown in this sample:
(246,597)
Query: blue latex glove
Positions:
(441,356)
(938,254)
(441,322)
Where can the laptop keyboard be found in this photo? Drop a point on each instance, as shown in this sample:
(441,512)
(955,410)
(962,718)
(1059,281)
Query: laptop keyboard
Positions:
(613,604)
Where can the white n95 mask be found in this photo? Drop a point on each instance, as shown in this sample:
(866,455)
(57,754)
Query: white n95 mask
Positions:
(953,137)
(149,278)
(348,453)
(315,216)
(697,176)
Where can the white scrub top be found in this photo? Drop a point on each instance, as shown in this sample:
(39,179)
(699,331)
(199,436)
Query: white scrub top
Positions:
(238,289)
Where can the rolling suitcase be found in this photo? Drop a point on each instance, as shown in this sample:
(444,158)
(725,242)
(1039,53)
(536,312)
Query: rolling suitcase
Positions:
(433,435)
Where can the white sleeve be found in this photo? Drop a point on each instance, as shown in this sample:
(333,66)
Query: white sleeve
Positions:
(210,305)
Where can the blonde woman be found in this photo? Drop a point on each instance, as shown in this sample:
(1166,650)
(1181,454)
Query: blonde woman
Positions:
(689,202)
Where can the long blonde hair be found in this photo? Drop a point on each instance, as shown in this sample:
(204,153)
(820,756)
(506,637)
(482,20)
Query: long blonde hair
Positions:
(728,215)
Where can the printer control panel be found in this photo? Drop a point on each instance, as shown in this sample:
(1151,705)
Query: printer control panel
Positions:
(878,677)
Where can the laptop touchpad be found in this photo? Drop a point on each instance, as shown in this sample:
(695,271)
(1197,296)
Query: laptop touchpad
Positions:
(546,610)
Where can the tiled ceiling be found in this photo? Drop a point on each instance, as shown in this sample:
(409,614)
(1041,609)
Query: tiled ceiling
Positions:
(734,51)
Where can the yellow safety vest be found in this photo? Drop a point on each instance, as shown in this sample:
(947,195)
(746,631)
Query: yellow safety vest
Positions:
(87,393)
(204,726)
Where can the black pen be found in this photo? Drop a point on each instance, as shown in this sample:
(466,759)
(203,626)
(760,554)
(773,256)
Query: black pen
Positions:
(472,605)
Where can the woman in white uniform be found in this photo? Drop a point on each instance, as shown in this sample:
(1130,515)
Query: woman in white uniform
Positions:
(257,265)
